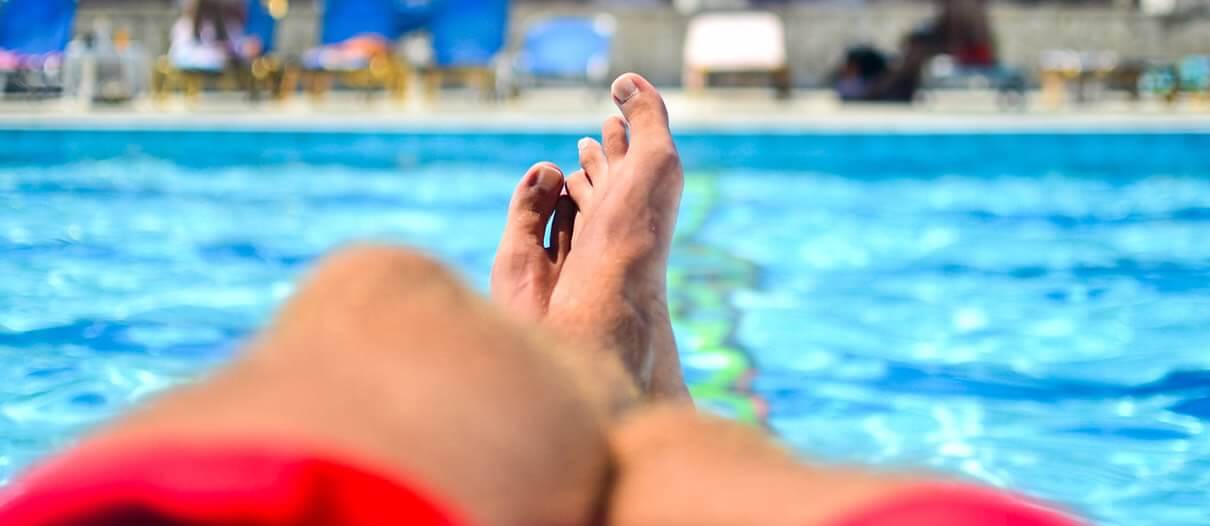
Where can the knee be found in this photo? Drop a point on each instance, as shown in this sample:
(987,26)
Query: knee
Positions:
(380,265)
(361,283)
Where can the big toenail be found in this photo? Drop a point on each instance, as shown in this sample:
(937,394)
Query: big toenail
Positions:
(535,178)
(624,88)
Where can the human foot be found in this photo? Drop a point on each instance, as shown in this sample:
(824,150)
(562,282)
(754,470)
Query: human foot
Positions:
(611,291)
(525,269)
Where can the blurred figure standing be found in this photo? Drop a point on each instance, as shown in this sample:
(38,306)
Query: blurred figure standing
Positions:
(960,29)
(964,31)
(210,33)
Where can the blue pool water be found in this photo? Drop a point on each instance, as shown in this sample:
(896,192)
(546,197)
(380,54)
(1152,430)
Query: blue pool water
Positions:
(1027,309)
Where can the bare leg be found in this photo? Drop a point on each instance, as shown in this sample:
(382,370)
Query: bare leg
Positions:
(677,467)
(383,357)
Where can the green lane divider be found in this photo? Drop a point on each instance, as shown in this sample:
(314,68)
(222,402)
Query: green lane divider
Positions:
(701,280)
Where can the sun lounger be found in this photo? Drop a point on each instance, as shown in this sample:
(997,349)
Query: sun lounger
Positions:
(566,49)
(33,37)
(467,37)
(346,21)
(255,72)
(742,43)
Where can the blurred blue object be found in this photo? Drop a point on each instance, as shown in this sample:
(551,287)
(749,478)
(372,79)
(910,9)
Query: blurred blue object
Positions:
(411,15)
(468,33)
(389,19)
(1158,80)
(567,48)
(1169,80)
(36,27)
(261,25)
(1195,73)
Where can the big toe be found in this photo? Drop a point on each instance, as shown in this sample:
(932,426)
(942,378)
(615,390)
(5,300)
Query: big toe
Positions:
(532,204)
(643,108)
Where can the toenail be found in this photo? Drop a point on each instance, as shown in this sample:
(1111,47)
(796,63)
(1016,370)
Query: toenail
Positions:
(624,88)
(535,178)
(584,143)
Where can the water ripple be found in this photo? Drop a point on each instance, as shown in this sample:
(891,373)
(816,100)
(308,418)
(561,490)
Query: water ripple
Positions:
(1037,323)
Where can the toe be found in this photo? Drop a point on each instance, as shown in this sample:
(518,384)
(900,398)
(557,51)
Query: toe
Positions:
(561,229)
(580,190)
(592,160)
(644,109)
(613,137)
(533,203)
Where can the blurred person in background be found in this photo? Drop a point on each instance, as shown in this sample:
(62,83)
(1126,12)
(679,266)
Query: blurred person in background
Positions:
(869,75)
(863,65)
(210,33)
(961,29)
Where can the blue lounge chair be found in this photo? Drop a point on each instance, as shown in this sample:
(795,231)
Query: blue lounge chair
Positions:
(261,25)
(33,36)
(411,15)
(36,27)
(573,49)
(389,20)
(468,35)
(343,20)
(265,72)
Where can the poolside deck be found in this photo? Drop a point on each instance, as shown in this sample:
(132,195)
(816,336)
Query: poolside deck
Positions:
(553,109)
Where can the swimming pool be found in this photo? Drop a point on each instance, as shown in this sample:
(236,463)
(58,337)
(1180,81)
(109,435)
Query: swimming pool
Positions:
(1031,309)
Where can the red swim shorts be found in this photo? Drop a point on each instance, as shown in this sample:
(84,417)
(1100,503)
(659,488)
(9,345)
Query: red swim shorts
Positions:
(213,485)
(243,485)
(956,505)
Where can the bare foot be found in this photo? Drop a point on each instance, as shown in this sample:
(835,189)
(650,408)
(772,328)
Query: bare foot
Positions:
(609,292)
(612,290)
